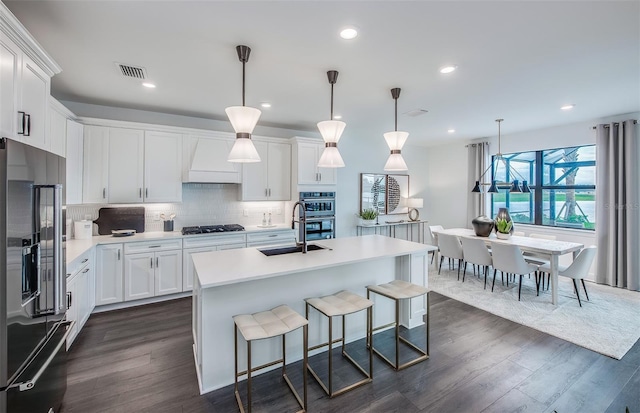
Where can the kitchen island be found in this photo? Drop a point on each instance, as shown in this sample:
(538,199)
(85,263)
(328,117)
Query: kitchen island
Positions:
(242,281)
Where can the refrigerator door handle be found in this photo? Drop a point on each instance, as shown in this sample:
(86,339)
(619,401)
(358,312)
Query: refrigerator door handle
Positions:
(31,383)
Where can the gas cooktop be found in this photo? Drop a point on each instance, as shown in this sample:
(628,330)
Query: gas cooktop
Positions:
(211,229)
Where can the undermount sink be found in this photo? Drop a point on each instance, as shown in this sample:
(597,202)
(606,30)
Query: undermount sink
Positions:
(290,250)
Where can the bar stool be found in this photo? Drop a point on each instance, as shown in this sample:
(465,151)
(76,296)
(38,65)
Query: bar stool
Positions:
(276,322)
(401,290)
(341,304)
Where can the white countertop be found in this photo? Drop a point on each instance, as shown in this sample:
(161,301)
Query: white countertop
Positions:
(240,265)
(77,247)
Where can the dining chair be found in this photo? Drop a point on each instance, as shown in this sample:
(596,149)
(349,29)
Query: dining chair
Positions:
(578,269)
(433,240)
(450,248)
(475,252)
(533,258)
(508,258)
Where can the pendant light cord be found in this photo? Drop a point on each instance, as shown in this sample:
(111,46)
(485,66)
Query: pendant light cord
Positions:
(332,101)
(396,118)
(243,82)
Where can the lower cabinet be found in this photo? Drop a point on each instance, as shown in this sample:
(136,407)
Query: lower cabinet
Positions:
(150,274)
(80,294)
(188,272)
(109,275)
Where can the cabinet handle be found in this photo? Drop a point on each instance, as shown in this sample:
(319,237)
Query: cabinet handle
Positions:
(269,191)
(154,246)
(85,260)
(150,262)
(157,262)
(85,270)
(140,196)
(273,235)
(146,192)
(118,255)
(266,192)
(69,300)
(28,125)
(104,193)
(23,124)
(319,176)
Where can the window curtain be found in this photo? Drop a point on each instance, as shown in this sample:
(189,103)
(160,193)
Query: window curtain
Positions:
(618,205)
(478,160)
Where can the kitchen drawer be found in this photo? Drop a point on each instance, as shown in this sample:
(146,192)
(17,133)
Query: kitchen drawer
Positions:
(76,265)
(152,246)
(198,241)
(268,237)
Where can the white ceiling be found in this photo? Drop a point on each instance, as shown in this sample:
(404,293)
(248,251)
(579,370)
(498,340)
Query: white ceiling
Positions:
(517,60)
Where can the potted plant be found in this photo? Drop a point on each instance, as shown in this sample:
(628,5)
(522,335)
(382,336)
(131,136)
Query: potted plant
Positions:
(503,228)
(368,216)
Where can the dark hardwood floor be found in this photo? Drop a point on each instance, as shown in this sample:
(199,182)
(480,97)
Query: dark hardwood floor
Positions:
(141,360)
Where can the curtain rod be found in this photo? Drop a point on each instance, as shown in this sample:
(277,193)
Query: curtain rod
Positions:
(616,123)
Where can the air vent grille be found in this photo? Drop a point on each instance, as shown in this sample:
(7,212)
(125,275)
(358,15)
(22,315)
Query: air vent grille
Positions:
(135,72)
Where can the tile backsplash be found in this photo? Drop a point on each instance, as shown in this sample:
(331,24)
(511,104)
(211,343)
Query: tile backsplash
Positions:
(202,204)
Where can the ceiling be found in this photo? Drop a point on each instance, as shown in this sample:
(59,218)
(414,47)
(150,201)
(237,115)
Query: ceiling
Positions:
(519,60)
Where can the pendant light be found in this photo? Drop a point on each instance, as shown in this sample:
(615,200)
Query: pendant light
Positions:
(494,186)
(243,119)
(331,130)
(396,140)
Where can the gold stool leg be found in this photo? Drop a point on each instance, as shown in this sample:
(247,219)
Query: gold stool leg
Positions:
(249,374)
(330,356)
(305,361)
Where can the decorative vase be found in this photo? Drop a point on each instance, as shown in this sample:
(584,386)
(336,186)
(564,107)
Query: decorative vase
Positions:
(502,235)
(367,222)
(503,213)
(482,226)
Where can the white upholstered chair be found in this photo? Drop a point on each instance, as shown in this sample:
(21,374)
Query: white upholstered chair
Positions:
(450,248)
(508,258)
(475,252)
(433,239)
(578,269)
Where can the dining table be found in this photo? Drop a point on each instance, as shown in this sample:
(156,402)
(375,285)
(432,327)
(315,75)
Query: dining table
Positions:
(550,249)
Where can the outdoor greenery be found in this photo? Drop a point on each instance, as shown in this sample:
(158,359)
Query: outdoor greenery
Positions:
(560,197)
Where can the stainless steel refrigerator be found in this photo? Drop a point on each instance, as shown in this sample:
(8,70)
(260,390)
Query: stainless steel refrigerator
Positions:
(33,299)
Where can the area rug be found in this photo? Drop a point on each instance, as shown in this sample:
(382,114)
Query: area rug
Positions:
(609,323)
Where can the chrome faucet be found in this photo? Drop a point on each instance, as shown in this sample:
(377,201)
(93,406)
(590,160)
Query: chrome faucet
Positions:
(301,224)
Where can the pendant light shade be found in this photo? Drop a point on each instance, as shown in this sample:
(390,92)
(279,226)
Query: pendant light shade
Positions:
(244,120)
(331,130)
(396,140)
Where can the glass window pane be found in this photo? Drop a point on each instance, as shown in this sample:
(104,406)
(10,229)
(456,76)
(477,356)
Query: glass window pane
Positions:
(570,208)
(570,166)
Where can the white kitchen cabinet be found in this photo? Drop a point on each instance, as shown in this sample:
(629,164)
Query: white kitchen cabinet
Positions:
(162,167)
(25,84)
(109,274)
(95,170)
(9,60)
(270,179)
(138,276)
(125,165)
(57,128)
(152,268)
(307,153)
(75,156)
(197,244)
(264,238)
(80,293)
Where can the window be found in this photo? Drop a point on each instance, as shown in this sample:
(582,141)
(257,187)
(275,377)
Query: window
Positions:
(562,183)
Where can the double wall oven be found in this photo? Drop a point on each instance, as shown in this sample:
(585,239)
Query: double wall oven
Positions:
(320,208)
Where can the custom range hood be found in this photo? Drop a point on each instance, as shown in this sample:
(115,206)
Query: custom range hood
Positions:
(205,161)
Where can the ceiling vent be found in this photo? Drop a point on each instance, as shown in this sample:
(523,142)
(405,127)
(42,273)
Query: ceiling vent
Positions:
(135,72)
(416,112)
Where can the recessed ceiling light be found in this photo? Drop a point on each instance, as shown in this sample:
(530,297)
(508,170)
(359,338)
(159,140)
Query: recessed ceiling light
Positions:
(265,104)
(448,69)
(451,130)
(149,85)
(568,107)
(349,33)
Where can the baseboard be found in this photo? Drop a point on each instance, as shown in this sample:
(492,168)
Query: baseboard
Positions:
(144,301)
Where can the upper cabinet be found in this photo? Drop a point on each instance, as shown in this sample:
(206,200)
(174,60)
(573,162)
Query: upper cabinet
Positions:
(25,85)
(205,160)
(57,131)
(162,167)
(269,179)
(123,165)
(307,153)
(75,155)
